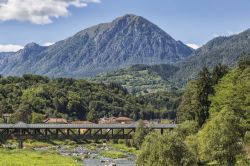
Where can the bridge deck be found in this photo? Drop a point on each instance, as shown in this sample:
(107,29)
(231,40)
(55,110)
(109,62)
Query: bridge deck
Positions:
(83,126)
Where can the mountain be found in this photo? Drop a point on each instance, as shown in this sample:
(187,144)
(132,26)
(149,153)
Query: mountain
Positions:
(126,41)
(225,50)
(140,79)
(16,63)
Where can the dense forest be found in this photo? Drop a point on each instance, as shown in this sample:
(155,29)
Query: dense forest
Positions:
(214,122)
(32,98)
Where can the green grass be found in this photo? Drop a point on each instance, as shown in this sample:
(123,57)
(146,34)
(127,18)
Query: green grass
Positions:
(91,146)
(32,144)
(112,154)
(124,148)
(33,158)
(29,144)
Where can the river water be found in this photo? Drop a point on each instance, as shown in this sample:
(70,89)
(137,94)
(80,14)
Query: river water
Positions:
(94,158)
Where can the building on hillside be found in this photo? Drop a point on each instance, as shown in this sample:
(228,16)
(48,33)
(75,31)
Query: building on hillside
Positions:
(114,120)
(105,120)
(124,120)
(56,121)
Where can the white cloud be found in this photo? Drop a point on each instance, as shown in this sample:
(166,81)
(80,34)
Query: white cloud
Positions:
(10,48)
(194,46)
(38,11)
(48,43)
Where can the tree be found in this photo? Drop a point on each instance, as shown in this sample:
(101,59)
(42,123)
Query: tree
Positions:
(218,72)
(195,101)
(167,149)
(186,129)
(221,139)
(139,135)
(204,85)
(23,114)
(92,116)
(76,105)
(36,117)
(188,106)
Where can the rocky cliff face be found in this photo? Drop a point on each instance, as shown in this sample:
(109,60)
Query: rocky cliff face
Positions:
(125,41)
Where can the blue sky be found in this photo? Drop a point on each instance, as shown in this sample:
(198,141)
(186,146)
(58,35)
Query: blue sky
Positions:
(191,21)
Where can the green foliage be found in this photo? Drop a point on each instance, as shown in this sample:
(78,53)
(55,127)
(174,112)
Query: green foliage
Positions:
(113,154)
(221,138)
(218,72)
(36,117)
(167,149)
(140,79)
(166,102)
(125,148)
(139,135)
(23,113)
(92,116)
(187,128)
(195,103)
(69,98)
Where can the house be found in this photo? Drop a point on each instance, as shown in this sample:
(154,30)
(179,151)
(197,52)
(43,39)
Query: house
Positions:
(124,120)
(105,120)
(114,120)
(55,120)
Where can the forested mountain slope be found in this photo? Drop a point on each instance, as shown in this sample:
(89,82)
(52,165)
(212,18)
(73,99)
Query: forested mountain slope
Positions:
(140,79)
(224,50)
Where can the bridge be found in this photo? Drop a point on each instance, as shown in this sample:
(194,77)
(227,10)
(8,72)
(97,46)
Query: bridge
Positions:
(22,131)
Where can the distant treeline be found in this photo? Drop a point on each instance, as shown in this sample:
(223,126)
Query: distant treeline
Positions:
(32,98)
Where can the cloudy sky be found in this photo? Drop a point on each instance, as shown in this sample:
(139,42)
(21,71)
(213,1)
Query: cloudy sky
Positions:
(46,21)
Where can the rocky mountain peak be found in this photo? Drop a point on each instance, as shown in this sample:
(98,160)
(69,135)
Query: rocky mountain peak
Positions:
(123,42)
(31,45)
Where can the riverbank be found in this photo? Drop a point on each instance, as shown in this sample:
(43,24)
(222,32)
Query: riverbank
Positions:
(15,157)
(68,153)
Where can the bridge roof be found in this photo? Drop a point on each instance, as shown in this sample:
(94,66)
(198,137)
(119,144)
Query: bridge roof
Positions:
(22,125)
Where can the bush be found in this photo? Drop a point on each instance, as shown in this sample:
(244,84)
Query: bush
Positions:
(167,149)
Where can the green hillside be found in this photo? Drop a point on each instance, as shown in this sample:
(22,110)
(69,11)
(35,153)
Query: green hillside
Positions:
(140,79)
(225,50)
(31,98)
